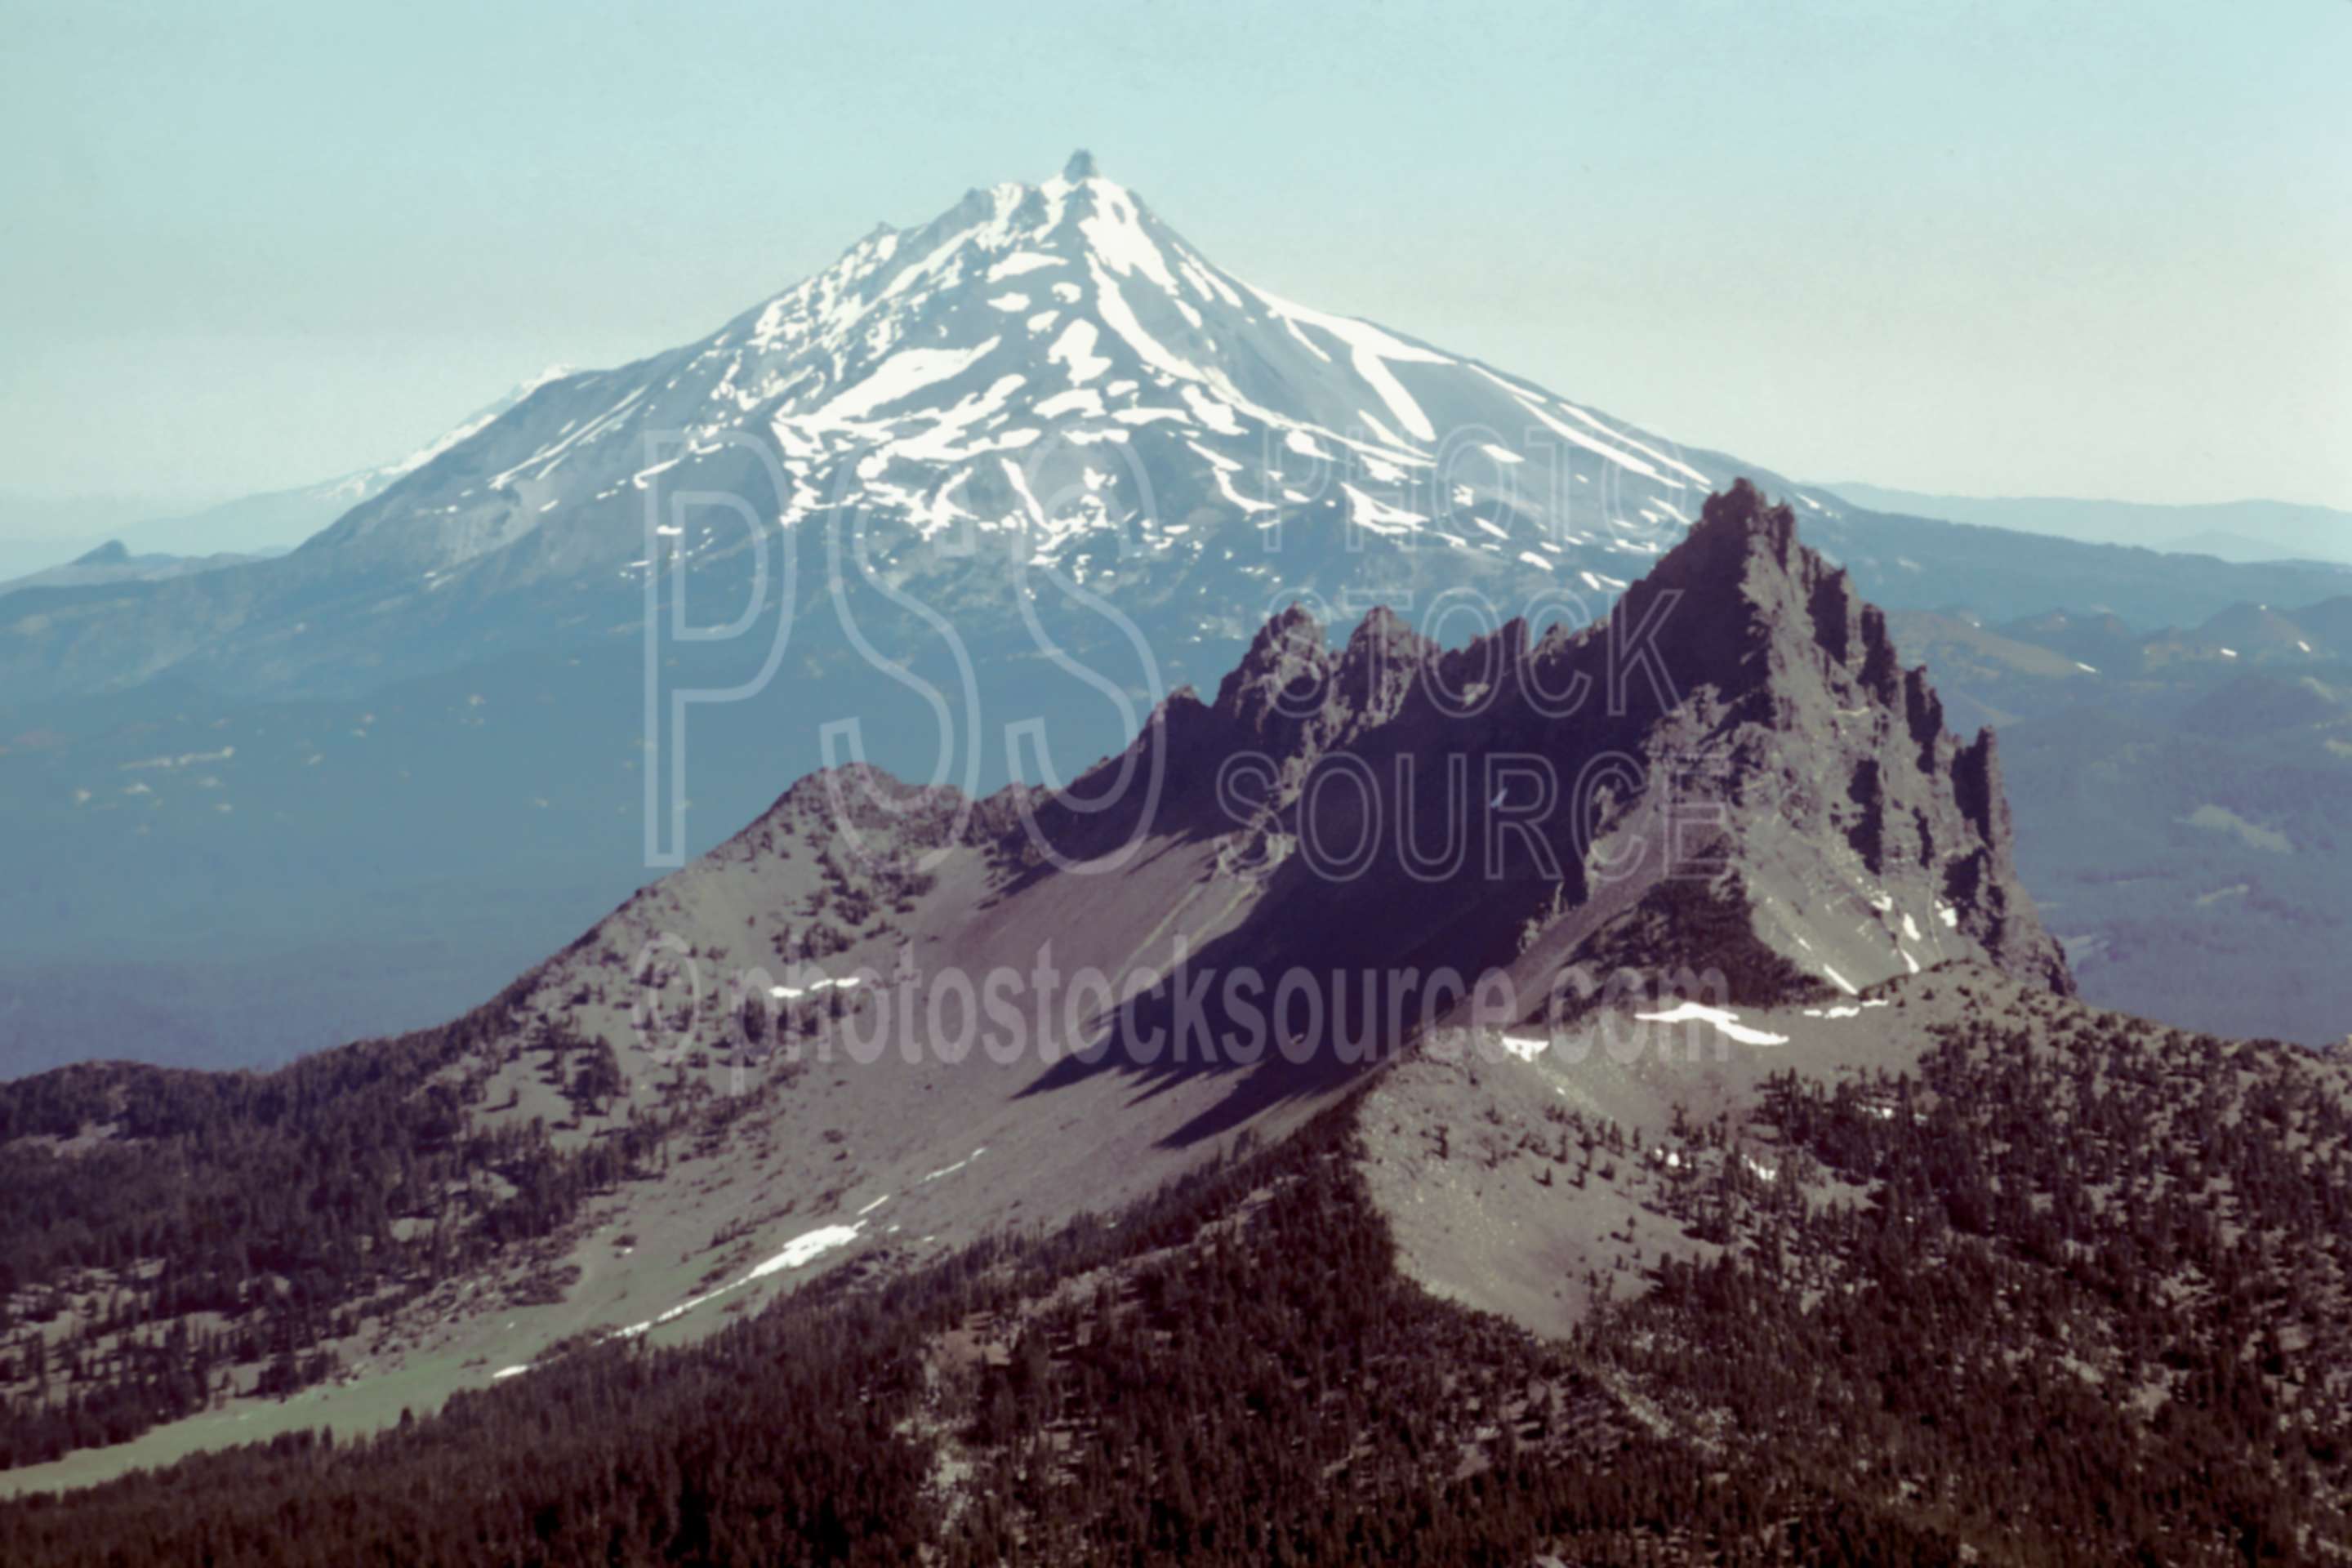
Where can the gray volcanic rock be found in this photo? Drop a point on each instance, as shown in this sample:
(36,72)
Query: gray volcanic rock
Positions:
(1733,773)
(1835,776)
(1297,698)
(1729,789)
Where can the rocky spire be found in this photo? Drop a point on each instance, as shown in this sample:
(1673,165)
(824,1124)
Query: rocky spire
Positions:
(1853,838)
(1841,795)
(1857,743)
(1751,605)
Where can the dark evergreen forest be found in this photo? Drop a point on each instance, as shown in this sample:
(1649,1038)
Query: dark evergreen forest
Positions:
(2041,1339)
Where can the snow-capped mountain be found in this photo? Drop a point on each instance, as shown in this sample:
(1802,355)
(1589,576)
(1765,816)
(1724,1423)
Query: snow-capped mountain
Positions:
(933,376)
(1042,398)
(1044,378)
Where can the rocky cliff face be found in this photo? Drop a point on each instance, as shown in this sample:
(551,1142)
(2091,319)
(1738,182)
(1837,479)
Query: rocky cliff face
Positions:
(1733,773)
(1730,787)
(1810,705)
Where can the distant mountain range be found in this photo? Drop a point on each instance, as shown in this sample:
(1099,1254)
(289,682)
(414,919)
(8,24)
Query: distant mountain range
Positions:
(49,533)
(2181,798)
(2240,530)
(113,562)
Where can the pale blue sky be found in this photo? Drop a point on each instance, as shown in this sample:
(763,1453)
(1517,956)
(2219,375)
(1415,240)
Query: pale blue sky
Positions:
(2095,249)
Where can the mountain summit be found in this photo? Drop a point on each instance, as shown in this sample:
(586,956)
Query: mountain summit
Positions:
(1043,393)
(1043,381)
(920,376)
(1727,793)
(1731,773)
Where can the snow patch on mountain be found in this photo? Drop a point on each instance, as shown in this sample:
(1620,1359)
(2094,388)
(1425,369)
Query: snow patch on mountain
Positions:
(951,382)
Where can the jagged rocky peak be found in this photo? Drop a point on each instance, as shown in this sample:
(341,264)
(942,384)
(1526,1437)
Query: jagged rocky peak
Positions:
(1848,746)
(1287,652)
(1864,841)
(1836,837)
(1381,663)
(1297,698)
(1752,605)
(1292,673)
